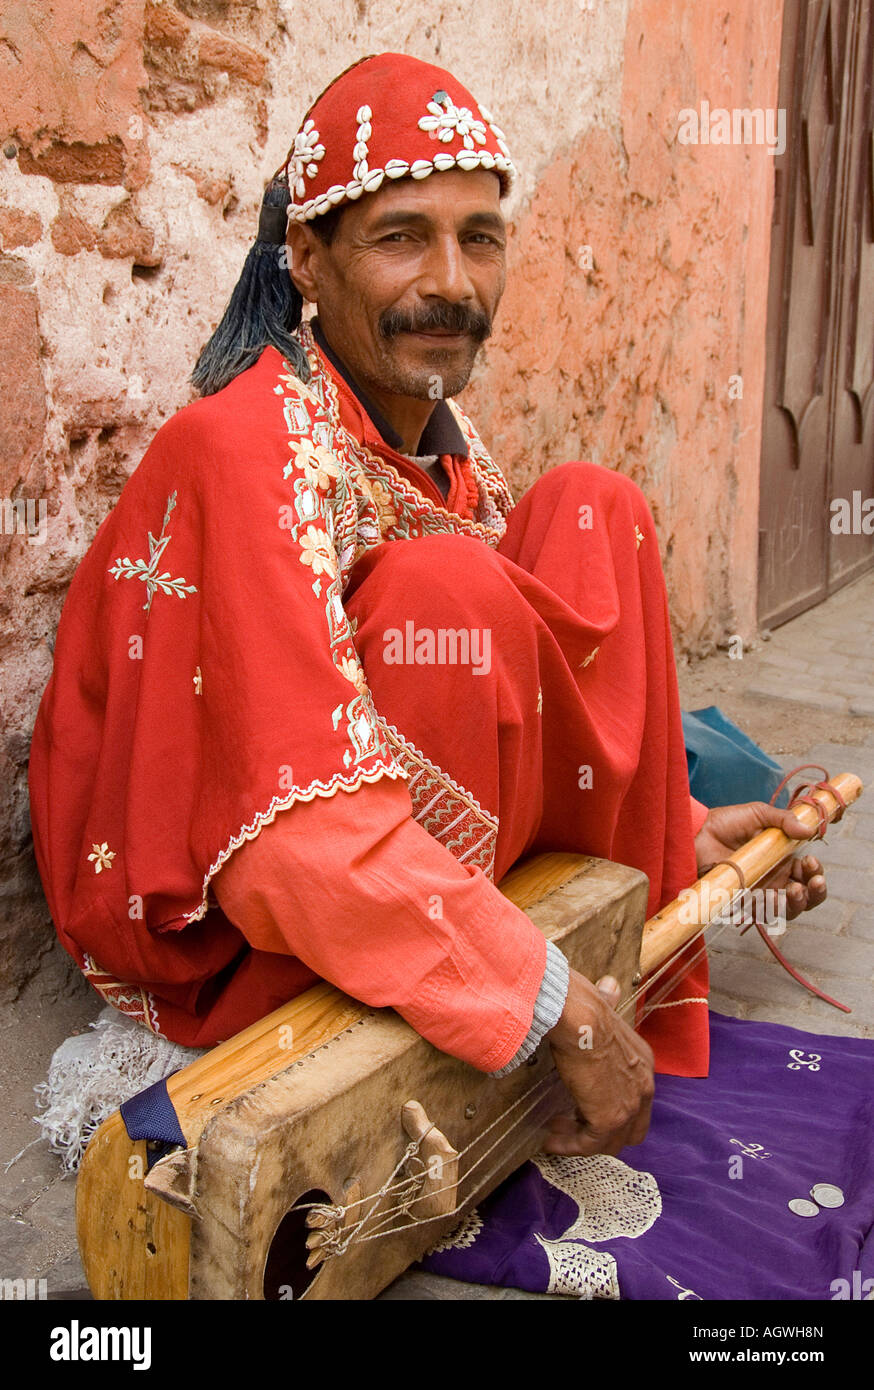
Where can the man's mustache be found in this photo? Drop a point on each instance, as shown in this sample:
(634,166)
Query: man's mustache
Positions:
(440,317)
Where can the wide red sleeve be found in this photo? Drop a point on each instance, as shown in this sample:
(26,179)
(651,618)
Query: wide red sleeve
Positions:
(365,897)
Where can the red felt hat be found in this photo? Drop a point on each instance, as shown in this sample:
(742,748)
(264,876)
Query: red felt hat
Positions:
(388,117)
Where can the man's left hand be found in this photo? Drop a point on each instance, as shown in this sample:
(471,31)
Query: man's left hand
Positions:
(728,827)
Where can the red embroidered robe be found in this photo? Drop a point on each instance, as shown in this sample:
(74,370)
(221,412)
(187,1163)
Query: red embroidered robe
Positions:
(208,678)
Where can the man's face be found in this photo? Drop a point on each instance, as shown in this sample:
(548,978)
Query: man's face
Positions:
(408,288)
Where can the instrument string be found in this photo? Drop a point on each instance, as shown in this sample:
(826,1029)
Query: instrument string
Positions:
(411,1185)
(340,1243)
(413,1147)
(665,989)
(721,921)
(409,1188)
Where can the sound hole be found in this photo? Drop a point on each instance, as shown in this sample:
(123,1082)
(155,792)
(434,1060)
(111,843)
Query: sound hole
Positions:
(285,1274)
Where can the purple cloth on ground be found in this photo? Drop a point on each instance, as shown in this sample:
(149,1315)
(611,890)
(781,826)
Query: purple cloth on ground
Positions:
(700,1209)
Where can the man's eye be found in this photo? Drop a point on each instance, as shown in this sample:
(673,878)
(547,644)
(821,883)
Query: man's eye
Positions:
(484,239)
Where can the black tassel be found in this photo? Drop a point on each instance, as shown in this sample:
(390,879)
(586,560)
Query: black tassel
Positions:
(264,308)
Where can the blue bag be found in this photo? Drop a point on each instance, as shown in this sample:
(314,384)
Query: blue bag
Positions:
(725,766)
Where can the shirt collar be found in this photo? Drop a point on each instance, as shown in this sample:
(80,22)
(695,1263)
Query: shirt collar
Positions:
(441,435)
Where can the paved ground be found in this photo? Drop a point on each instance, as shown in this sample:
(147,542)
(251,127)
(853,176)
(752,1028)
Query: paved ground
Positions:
(805,695)
(815,676)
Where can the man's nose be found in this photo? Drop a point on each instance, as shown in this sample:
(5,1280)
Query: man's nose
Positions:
(445,273)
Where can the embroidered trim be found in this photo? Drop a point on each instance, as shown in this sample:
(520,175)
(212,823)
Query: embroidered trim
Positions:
(391,496)
(253,829)
(449,812)
(127,998)
(346,499)
(496,499)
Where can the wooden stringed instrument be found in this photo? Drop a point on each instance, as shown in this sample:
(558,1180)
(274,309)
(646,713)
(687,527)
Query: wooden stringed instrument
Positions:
(329,1146)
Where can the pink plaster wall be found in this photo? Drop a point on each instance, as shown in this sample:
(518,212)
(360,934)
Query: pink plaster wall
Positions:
(630,363)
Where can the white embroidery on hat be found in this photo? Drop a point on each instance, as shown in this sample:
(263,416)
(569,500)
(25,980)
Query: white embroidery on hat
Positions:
(305,155)
(444,123)
(499,135)
(448,120)
(362,135)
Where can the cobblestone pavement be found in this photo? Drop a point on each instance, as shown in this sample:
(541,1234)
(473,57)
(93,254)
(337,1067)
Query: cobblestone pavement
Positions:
(823,660)
(816,673)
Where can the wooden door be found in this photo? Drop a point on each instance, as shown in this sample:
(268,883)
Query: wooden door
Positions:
(852,450)
(818,430)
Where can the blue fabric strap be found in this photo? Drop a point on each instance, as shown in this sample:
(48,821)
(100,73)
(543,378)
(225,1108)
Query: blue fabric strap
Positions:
(151,1115)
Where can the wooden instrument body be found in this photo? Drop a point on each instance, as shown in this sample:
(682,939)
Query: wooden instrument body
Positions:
(276,1115)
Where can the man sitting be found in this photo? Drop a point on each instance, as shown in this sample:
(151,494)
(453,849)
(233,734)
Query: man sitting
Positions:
(319,682)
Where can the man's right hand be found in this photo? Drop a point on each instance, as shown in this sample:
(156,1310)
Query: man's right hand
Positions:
(607,1068)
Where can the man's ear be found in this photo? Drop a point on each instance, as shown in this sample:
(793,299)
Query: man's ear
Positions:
(302,247)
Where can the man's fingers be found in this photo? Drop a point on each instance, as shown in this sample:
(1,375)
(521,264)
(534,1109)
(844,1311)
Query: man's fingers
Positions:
(640,1125)
(578,1146)
(802,897)
(817,891)
(785,821)
(570,1133)
(609,1078)
(564,1124)
(583,1141)
(610,988)
(807,868)
(805,887)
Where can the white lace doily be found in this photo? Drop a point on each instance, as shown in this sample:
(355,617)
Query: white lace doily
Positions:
(93,1073)
(612,1199)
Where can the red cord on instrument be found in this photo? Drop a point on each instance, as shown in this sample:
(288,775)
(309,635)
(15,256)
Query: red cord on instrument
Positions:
(801,795)
(794,973)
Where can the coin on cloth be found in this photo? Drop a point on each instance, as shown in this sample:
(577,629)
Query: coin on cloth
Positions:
(827,1195)
(802,1207)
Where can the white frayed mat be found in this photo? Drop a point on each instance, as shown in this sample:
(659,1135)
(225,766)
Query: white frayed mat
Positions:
(92,1074)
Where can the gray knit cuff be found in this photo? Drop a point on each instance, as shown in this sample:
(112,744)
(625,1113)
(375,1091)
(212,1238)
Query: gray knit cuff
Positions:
(548,1007)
